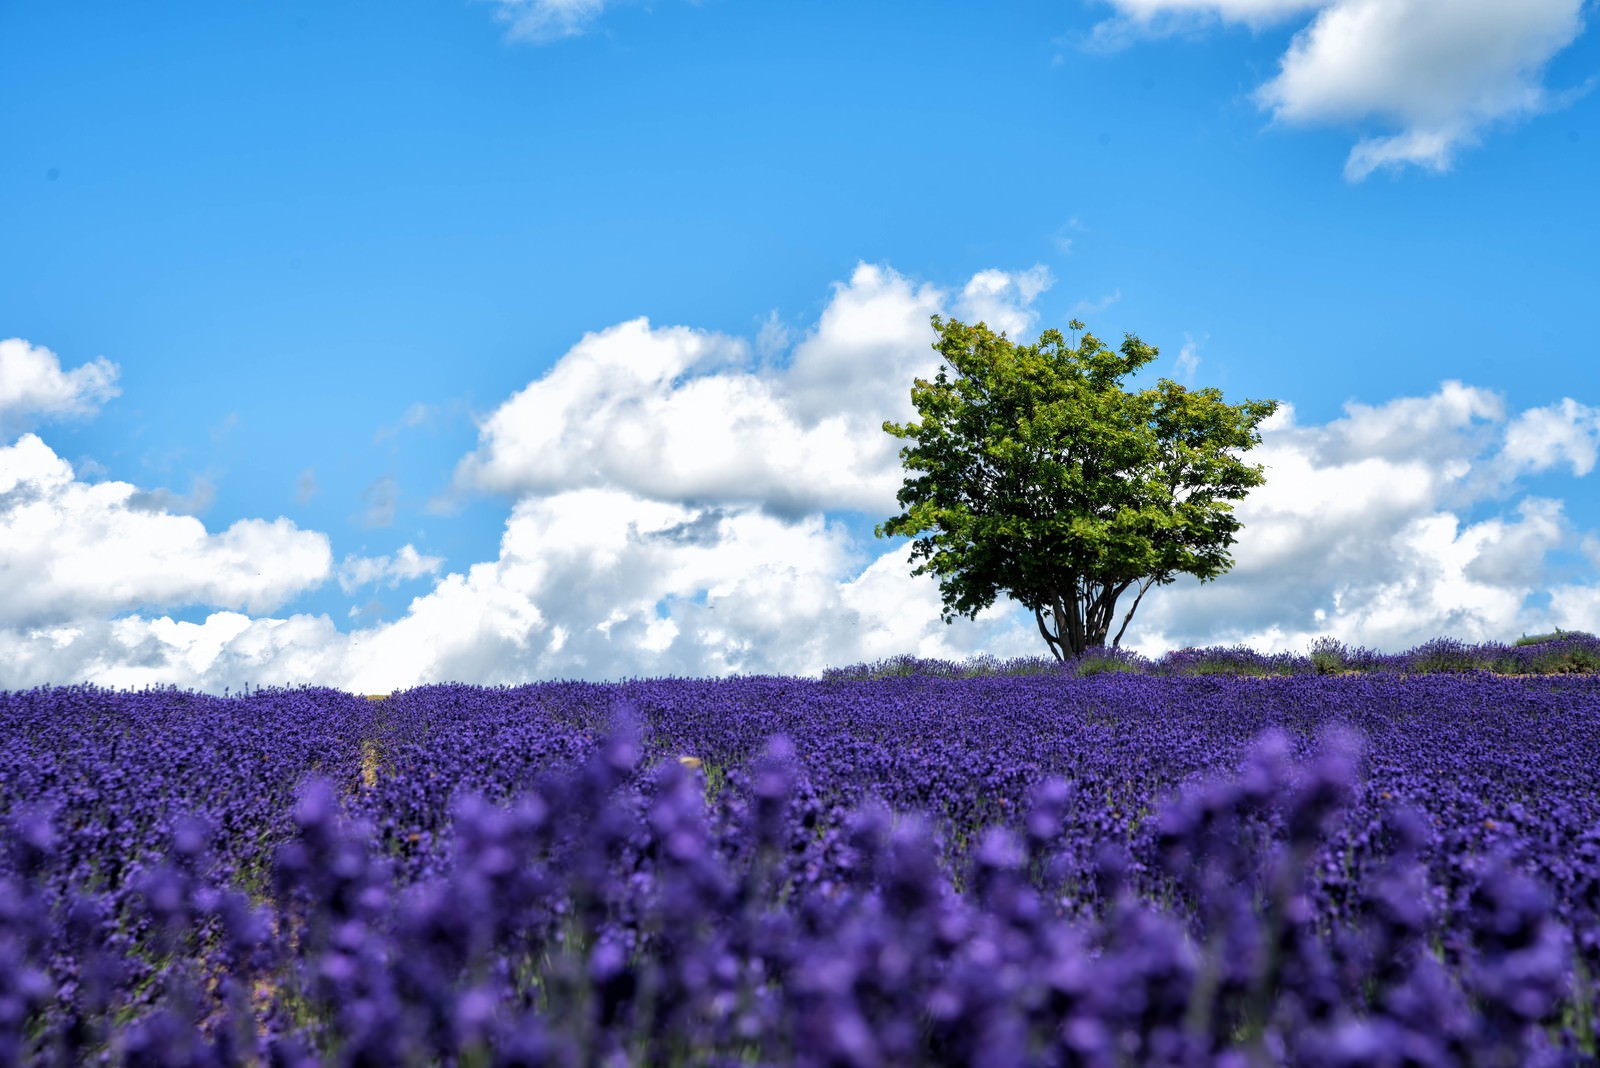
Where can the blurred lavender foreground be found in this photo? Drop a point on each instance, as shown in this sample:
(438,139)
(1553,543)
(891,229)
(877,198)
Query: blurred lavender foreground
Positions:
(1218,859)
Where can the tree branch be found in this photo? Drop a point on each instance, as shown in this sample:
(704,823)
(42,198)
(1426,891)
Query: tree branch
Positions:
(1054,642)
(1116,643)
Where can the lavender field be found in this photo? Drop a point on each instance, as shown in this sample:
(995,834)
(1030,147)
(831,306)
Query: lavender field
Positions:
(1221,858)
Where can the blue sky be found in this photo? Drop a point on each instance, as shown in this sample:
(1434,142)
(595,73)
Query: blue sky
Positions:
(495,341)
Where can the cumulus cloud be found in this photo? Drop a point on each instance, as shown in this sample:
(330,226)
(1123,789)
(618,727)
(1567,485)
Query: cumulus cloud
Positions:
(33,386)
(1440,431)
(1542,438)
(1440,70)
(1591,549)
(1001,301)
(1363,531)
(405,566)
(70,550)
(195,502)
(1435,72)
(676,414)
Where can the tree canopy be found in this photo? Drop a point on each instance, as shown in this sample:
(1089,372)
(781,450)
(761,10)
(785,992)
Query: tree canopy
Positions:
(1034,473)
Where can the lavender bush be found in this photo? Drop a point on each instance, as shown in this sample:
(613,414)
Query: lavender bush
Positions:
(1215,859)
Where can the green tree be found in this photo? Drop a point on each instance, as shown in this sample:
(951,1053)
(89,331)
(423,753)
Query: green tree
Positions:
(1034,473)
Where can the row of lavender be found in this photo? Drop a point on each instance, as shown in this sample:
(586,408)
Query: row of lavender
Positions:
(1556,653)
(1115,869)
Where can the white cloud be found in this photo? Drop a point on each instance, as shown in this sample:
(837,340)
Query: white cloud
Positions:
(675,414)
(1001,301)
(773,339)
(226,650)
(195,502)
(406,565)
(71,550)
(1438,69)
(547,20)
(1437,72)
(1254,12)
(1137,20)
(1591,549)
(33,385)
(871,340)
(1451,425)
(1358,533)
(1188,359)
(89,468)
(1540,438)
(601,581)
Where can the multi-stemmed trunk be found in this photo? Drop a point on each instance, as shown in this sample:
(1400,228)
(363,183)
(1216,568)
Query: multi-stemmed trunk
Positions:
(1079,619)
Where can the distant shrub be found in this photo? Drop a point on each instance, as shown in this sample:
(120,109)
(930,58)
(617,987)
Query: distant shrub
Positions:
(1556,635)
(1328,656)
(1448,655)
(981,666)
(1565,652)
(905,666)
(1558,653)
(1100,661)
(1575,660)
(1031,665)
(1235,661)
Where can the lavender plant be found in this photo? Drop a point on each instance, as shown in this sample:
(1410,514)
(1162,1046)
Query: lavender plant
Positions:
(1155,866)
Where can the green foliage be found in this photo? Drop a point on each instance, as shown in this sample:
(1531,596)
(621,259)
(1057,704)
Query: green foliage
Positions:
(1034,473)
(1575,653)
(1238,669)
(1328,656)
(1238,661)
(1556,635)
(1445,656)
(1089,664)
(1573,661)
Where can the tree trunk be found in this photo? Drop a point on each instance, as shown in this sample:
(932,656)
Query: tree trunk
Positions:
(1074,623)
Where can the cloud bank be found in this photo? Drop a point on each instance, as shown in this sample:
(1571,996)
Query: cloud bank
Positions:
(1435,72)
(681,505)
